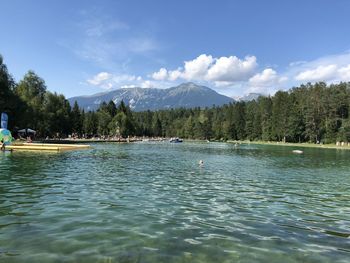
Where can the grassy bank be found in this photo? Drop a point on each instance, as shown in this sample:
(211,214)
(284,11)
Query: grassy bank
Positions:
(304,145)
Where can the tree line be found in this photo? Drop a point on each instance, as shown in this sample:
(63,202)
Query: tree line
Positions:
(308,113)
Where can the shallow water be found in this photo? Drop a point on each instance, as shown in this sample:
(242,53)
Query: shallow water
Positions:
(152,202)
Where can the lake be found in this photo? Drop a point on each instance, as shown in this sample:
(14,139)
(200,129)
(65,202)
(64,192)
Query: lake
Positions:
(152,202)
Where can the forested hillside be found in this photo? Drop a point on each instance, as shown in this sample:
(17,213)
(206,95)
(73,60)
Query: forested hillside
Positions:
(309,113)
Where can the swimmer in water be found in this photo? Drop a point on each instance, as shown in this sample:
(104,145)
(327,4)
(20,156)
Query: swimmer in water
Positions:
(200,162)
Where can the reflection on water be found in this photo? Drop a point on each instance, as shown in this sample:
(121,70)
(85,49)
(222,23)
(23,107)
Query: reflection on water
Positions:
(152,202)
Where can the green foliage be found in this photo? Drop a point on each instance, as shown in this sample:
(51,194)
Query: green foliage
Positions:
(90,124)
(31,90)
(253,121)
(156,126)
(104,118)
(239,118)
(280,115)
(265,111)
(77,119)
(124,124)
(57,113)
(9,102)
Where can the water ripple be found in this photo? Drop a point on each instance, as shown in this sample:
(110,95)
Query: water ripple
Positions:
(151,202)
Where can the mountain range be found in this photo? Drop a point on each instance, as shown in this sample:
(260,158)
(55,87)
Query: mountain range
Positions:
(250,96)
(187,95)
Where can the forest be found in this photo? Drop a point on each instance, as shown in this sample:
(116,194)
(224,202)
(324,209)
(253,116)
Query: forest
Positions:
(315,113)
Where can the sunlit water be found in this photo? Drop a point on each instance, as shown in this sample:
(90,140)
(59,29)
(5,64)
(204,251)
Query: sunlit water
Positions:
(152,202)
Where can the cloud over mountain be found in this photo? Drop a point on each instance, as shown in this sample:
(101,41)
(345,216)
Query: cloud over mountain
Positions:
(227,70)
(266,81)
(232,75)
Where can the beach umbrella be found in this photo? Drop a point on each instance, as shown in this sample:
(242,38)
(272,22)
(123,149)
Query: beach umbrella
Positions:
(27,130)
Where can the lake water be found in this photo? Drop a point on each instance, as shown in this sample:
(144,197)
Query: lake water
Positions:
(152,202)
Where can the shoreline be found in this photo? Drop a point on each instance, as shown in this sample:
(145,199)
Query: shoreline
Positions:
(162,139)
(289,144)
(98,140)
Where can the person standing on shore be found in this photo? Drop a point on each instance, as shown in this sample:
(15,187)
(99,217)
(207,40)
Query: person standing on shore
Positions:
(2,145)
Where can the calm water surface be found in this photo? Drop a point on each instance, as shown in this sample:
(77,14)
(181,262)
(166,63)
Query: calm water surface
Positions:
(152,202)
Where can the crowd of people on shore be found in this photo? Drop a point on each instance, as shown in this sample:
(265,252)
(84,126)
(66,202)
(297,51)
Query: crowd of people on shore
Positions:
(106,138)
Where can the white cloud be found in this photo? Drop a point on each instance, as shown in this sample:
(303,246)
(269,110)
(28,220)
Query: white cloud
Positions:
(162,74)
(344,73)
(297,63)
(99,78)
(231,75)
(268,81)
(128,86)
(266,77)
(232,69)
(108,81)
(147,84)
(321,73)
(108,42)
(222,71)
(175,74)
(331,73)
(197,68)
(223,84)
(332,69)
(97,27)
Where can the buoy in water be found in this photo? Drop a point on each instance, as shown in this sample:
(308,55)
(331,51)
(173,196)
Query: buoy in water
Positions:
(200,162)
(298,151)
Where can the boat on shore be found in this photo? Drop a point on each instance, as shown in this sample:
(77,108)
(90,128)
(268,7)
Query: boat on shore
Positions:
(175,140)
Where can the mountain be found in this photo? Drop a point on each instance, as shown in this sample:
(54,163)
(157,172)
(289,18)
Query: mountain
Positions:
(187,95)
(250,97)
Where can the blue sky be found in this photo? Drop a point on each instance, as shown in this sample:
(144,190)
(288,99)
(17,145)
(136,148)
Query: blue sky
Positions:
(235,47)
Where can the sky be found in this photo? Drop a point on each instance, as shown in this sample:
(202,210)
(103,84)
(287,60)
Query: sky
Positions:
(84,47)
